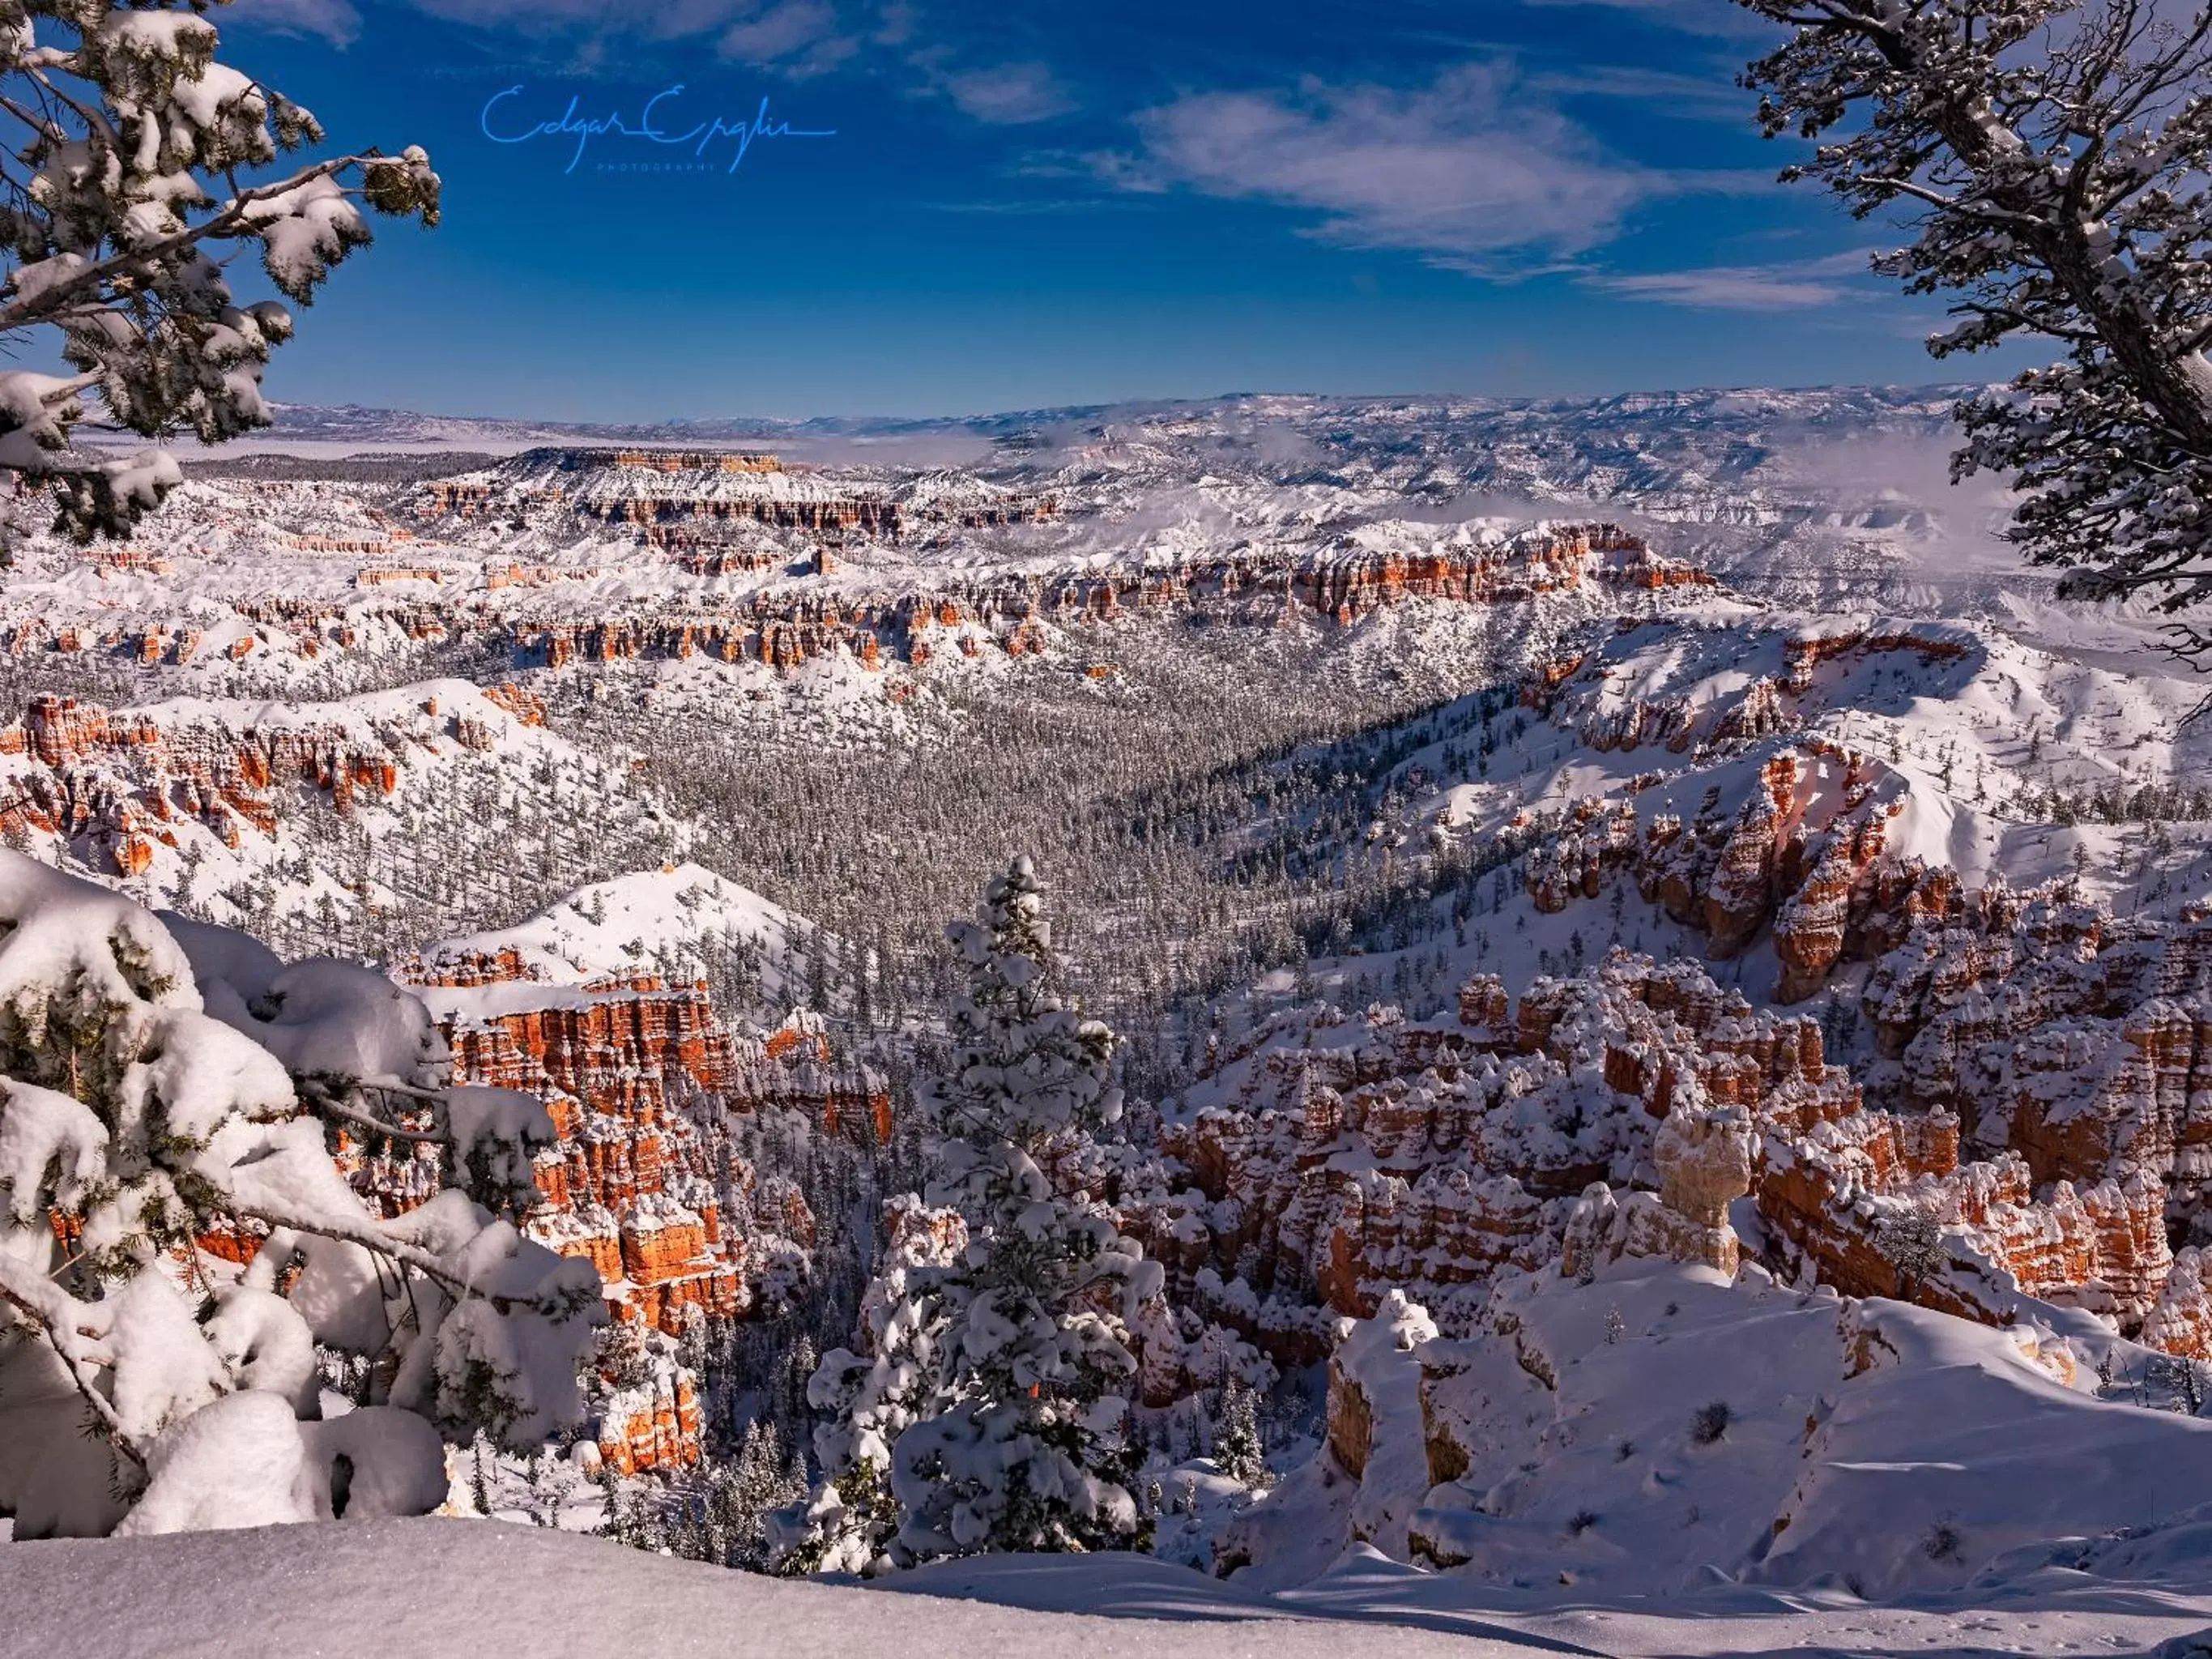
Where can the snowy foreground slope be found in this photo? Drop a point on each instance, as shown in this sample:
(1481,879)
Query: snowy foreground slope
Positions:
(371,1589)
(1663,1429)
(480,1587)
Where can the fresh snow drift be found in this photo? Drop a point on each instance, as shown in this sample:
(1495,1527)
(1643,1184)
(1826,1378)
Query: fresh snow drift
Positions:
(615,927)
(472,1585)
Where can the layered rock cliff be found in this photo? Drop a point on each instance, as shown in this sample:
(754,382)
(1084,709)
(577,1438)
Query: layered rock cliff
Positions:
(642,1083)
(786,624)
(1646,1110)
(1791,838)
(114,786)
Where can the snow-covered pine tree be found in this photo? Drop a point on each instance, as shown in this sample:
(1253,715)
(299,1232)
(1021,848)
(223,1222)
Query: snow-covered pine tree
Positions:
(869,1398)
(1037,1305)
(718,1514)
(1911,1240)
(990,1403)
(2057,154)
(169,1095)
(764,1480)
(132,189)
(1238,1451)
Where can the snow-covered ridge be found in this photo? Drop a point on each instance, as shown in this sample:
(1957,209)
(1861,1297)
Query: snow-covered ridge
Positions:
(608,931)
(1661,1430)
(1828,490)
(1942,745)
(312,806)
(594,933)
(635,484)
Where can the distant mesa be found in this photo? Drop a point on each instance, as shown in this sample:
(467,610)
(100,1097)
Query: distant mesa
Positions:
(671,460)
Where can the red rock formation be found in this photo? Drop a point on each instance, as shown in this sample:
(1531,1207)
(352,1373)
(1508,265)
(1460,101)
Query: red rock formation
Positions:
(1573,863)
(640,1080)
(787,626)
(1804,858)
(1803,654)
(1816,925)
(128,558)
(649,1417)
(2182,1321)
(510,574)
(716,562)
(106,782)
(1333,1159)
(337,543)
(2084,1045)
(1829,1195)
(1351,1156)
(695,461)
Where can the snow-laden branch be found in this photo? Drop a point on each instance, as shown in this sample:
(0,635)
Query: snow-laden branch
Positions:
(2058,155)
(132,193)
(154,1099)
(58,1319)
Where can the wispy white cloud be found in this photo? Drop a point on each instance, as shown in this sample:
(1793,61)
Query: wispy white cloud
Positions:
(335,20)
(1478,170)
(792,36)
(1719,19)
(1793,285)
(1012,94)
(808,36)
(1714,97)
(1008,94)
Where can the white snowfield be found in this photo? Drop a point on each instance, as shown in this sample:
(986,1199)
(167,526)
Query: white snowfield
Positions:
(1880,1448)
(599,930)
(435,1587)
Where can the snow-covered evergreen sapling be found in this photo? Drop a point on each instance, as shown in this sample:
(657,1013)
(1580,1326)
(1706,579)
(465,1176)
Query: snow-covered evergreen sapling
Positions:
(718,1515)
(169,1100)
(1911,1240)
(990,1404)
(1238,1451)
(131,192)
(868,1399)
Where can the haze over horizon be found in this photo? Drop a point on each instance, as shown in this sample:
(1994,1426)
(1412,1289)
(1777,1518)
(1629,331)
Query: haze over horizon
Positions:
(291,411)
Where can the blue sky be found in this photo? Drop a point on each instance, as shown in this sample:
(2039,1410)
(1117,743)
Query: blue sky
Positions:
(1053,204)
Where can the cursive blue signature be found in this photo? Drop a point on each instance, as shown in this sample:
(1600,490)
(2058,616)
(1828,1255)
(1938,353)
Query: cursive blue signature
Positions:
(572,123)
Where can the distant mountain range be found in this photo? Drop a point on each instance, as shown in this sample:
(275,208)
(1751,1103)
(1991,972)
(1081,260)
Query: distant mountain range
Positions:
(354,423)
